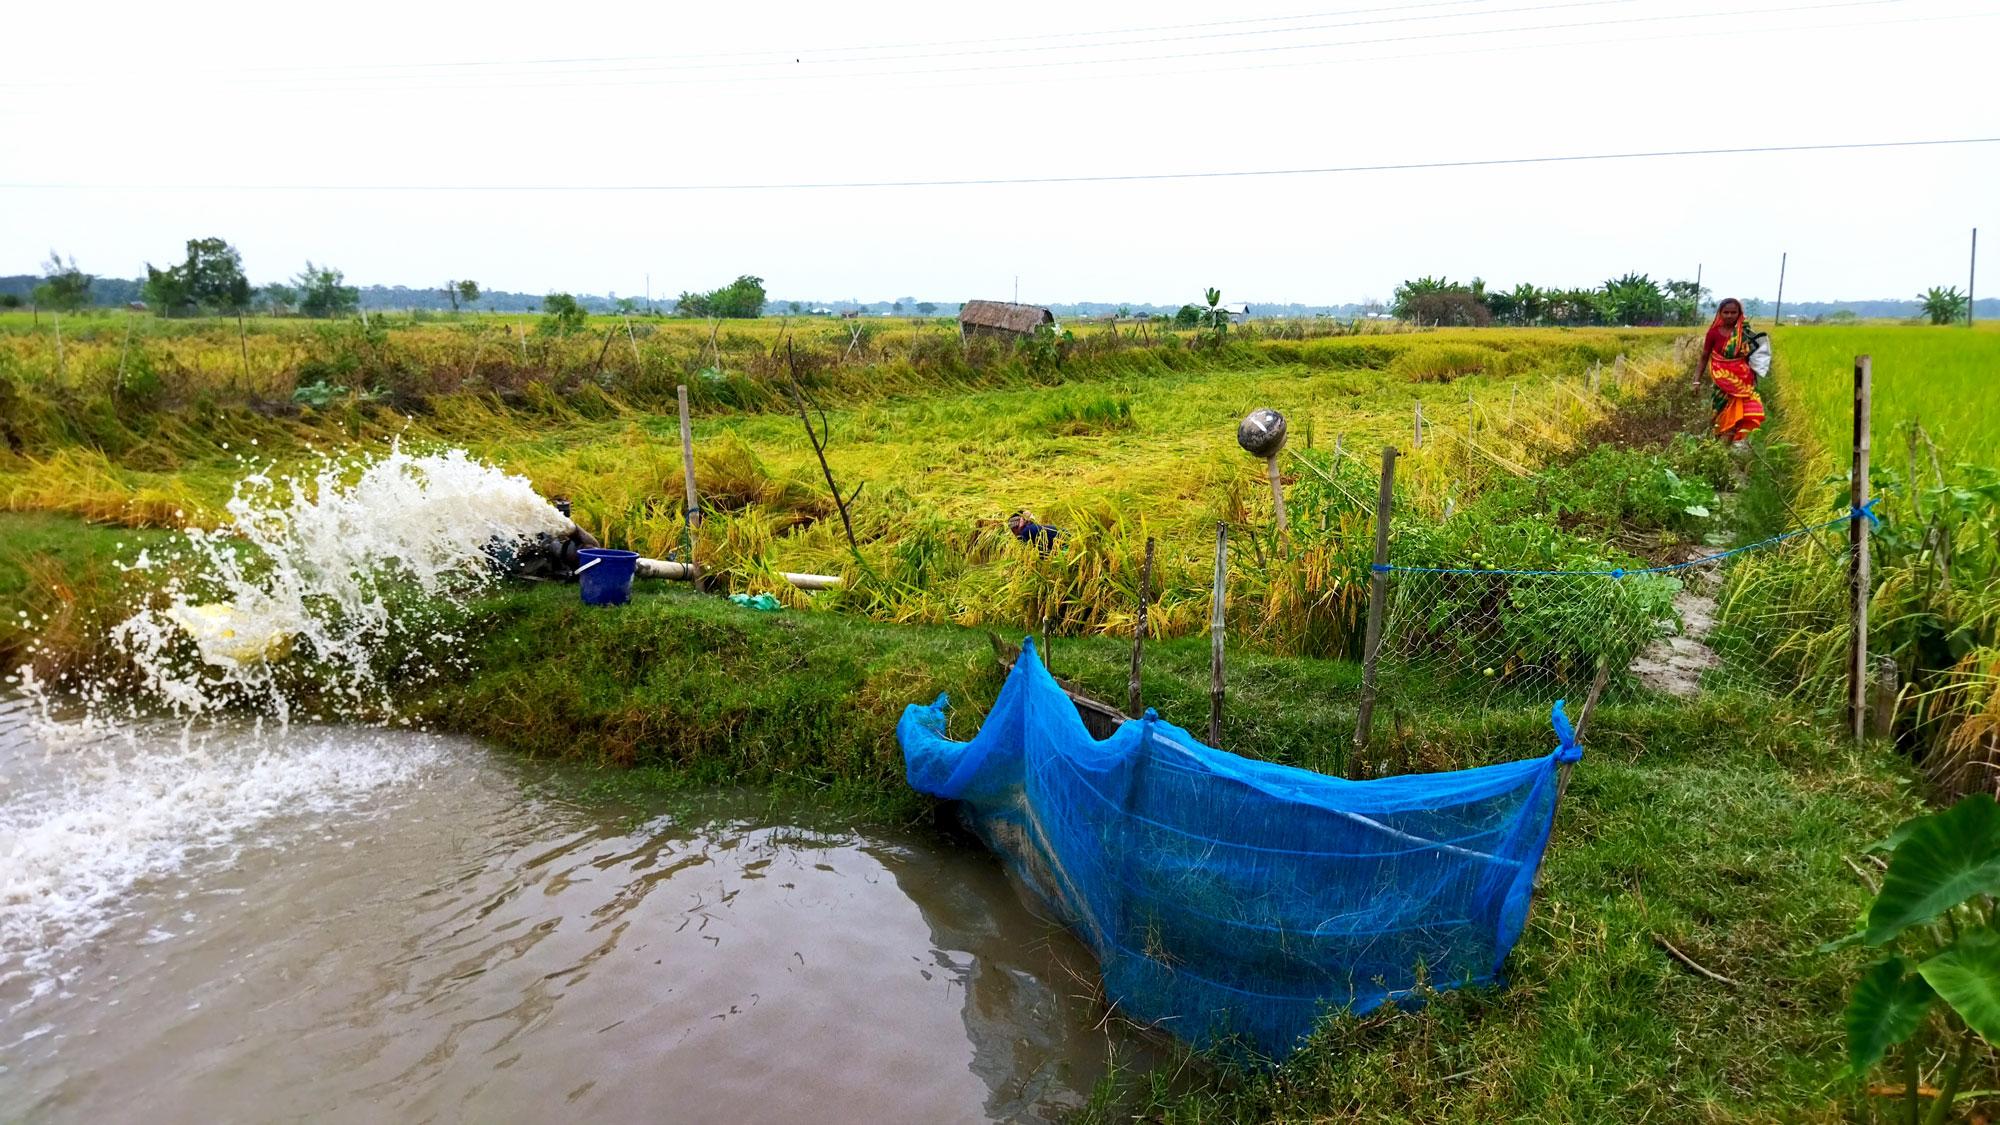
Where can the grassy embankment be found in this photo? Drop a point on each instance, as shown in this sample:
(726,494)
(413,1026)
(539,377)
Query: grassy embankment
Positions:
(1719,827)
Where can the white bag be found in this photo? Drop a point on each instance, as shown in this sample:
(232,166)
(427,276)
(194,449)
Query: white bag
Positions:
(1760,356)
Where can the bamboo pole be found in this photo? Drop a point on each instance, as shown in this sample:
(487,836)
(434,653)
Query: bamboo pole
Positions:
(124,348)
(687,459)
(1857,562)
(1217,601)
(1133,700)
(1378,596)
(1417,431)
(1277,493)
(1597,684)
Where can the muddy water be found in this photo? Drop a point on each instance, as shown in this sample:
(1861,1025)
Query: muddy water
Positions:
(363,926)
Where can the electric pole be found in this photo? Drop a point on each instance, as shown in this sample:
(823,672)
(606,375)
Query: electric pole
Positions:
(1779,318)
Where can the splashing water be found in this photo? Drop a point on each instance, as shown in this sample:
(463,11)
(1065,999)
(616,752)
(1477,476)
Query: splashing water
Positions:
(317,583)
(81,830)
(340,588)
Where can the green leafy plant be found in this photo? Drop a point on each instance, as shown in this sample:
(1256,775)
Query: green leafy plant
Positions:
(1933,919)
(562,315)
(1943,306)
(1046,348)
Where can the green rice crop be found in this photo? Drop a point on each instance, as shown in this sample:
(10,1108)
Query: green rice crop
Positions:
(1945,379)
(1935,607)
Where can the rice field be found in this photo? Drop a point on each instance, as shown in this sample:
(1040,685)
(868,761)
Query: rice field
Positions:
(1946,380)
(1118,435)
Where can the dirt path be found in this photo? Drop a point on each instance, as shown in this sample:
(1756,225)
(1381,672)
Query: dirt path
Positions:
(1673,665)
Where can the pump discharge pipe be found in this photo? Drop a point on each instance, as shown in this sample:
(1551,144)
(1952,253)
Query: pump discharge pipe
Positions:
(686,572)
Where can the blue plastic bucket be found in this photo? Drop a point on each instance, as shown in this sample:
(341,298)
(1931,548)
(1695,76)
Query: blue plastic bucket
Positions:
(605,575)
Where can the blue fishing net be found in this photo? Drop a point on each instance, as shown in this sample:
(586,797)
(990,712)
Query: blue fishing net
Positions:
(1234,900)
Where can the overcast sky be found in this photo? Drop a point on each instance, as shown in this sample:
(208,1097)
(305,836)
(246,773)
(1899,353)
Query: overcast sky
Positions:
(159,123)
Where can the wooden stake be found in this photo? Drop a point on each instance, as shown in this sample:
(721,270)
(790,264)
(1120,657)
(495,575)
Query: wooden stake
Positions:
(610,334)
(819,439)
(243,342)
(638,365)
(523,337)
(1217,602)
(1133,702)
(687,460)
(1590,702)
(1857,562)
(123,348)
(1417,435)
(1277,494)
(1378,596)
(62,364)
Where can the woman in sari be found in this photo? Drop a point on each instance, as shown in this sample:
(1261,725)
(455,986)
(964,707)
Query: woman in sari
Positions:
(1725,356)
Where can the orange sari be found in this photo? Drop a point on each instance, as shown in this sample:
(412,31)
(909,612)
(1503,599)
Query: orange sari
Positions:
(1739,410)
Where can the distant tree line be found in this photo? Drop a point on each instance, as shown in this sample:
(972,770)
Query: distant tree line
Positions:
(741,298)
(1632,300)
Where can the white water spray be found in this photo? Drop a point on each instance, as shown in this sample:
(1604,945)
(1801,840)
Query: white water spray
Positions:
(340,587)
(336,572)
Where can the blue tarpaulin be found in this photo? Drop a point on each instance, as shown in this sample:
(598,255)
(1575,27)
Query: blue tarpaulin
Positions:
(1226,897)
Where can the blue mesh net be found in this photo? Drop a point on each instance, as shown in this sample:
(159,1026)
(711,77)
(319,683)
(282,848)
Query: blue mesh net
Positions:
(1229,899)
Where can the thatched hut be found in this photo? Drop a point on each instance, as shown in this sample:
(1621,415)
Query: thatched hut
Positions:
(1001,318)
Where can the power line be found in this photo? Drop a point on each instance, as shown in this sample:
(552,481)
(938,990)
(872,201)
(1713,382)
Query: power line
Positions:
(806,59)
(1132,177)
(582,76)
(774,55)
(1503,48)
(797,52)
(421,83)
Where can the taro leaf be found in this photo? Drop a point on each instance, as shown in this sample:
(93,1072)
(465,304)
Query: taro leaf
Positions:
(1887,1007)
(1902,832)
(1700,510)
(1946,859)
(1967,975)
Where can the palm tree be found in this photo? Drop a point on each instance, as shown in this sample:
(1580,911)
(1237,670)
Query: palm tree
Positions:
(1943,306)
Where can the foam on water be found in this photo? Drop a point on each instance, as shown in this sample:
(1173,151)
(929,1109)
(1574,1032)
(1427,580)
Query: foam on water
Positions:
(81,827)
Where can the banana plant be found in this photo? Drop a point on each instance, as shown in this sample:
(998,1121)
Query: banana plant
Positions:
(1939,974)
(1214,317)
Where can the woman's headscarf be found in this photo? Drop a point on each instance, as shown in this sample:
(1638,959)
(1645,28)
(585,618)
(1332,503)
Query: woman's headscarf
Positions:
(1733,336)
